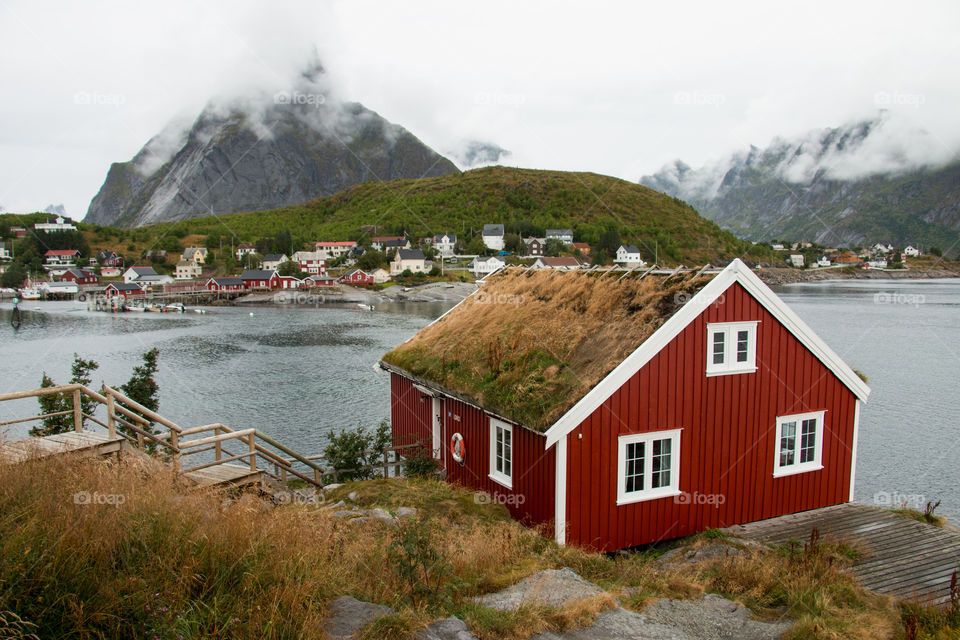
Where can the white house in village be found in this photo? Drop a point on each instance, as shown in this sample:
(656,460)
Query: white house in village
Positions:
(144,276)
(381,276)
(911,251)
(493,236)
(335,249)
(563,235)
(877,263)
(56,224)
(4,252)
(881,248)
(272,261)
(408,259)
(628,256)
(444,244)
(245,249)
(187,270)
(796,260)
(776,246)
(485,266)
(823,261)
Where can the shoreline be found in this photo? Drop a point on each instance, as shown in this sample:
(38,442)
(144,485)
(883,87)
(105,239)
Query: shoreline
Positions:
(779,275)
(444,292)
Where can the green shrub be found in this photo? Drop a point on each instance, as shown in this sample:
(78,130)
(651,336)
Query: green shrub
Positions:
(351,450)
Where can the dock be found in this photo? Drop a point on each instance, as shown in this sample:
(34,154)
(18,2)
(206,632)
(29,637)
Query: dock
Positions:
(901,557)
(83,442)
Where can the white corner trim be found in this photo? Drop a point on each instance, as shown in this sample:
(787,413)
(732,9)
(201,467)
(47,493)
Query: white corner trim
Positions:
(560,494)
(736,271)
(853,452)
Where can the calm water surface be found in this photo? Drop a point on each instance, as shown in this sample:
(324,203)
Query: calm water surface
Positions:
(298,373)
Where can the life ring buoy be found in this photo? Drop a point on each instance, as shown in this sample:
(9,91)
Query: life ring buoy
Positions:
(458,448)
(82,297)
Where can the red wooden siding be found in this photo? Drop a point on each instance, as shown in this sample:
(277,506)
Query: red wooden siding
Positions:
(410,413)
(728,440)
(532,498)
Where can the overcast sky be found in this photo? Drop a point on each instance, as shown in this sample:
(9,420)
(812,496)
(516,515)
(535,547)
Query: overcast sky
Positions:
(618,88)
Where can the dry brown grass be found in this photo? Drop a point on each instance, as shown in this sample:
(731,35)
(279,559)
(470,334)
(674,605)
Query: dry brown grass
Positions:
(174,562)
(530,344)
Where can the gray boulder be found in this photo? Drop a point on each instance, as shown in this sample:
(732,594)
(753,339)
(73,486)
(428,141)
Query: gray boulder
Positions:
(551,587)
(347,616)
(452,628)
(713,617)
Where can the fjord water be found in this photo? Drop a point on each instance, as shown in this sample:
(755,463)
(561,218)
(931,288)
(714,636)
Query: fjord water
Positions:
(298,373)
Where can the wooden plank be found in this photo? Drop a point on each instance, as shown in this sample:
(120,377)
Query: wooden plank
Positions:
(902,557)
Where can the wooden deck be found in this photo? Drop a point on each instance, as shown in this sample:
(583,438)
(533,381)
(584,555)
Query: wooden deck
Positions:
(226,475)
(903,558)
(81,442)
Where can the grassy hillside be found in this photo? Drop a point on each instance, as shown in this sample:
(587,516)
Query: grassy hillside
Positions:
(663,227)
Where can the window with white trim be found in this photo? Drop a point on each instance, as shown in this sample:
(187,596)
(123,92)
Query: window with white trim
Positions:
(648,466)
(799,443)
(731,348)
(501,452)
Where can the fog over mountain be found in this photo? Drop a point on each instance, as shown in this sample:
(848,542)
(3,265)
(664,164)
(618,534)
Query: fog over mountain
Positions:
(260,150)
(883,179)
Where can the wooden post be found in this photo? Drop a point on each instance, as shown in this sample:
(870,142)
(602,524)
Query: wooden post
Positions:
(77,412)
(218,447)
(111,417)
(175,445)
(253,452)
(386,469)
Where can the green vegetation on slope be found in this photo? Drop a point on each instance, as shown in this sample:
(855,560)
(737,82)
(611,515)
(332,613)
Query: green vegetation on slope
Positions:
(664,228)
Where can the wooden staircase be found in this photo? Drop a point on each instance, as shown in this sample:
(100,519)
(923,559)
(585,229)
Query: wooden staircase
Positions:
(128,427)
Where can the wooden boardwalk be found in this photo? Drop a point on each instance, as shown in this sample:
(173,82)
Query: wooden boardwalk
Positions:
(81,442)
(903,558)
(225,475)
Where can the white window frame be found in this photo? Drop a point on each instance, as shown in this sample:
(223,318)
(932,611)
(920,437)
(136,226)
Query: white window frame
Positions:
(672,489)
(799,467)
(499,476)
(730,365)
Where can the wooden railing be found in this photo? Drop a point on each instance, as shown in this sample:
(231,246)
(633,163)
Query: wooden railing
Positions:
(134,422)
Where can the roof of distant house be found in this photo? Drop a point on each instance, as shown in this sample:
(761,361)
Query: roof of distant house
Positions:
(629,248)
(274,257)
(410,254)
(257,274)
(563,261)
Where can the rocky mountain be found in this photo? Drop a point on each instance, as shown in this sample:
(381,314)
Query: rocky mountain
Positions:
(877,180)
(259,153)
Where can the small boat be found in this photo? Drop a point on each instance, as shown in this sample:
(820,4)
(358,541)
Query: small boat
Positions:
(134,307)
(30,293)
(363,305)
(174,307)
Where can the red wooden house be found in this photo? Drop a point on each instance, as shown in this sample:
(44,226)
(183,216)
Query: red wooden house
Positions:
(357,277)
(257,278)
(123,289)
(624,411)
(79,276)
(225,284)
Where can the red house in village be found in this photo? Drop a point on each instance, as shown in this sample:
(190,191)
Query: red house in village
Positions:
(123,289)
(225,284)
(257,278)
(357,277)
(624,411)
(79,276)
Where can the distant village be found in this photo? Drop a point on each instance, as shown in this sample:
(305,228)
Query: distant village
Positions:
(380,261)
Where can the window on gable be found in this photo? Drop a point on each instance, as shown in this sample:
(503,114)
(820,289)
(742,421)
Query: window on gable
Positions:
(732,348)
(799,443)
(501,452)
(648,466)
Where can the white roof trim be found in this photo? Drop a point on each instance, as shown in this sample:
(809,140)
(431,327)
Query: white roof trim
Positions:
(736,271)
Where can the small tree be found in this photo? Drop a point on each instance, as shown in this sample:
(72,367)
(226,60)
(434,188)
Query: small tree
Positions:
(289,268)
(352,449)
(371,260)
(57,402)
(142,388)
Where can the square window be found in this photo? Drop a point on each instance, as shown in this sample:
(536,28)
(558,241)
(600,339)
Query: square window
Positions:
(733,348)
(799,443)
(647,466)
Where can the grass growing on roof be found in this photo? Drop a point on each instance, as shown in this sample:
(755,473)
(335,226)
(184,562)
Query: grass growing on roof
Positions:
(530,344)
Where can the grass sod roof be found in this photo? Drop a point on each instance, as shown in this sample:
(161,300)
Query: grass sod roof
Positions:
(530,344)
